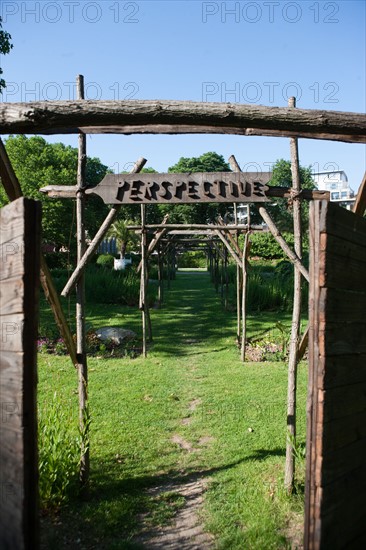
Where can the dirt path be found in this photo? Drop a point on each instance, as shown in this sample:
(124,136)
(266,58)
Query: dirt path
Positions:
(185,531)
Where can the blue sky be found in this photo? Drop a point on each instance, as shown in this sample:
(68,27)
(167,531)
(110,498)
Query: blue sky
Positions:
(256,52)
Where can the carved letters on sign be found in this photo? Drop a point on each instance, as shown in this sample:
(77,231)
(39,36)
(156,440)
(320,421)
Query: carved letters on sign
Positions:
(179,188)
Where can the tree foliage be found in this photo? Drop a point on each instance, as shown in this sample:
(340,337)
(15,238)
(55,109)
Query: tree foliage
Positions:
(38,163)
(196,213)
(124,237)
(5,47)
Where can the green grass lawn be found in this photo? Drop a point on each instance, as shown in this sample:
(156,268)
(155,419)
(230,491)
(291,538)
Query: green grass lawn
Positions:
(192,385)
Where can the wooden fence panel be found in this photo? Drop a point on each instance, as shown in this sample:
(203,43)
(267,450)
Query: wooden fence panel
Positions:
(20,224)
(335,504)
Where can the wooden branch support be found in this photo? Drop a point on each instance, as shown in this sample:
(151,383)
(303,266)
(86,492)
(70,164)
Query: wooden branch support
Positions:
(191,226)
(218,250)
(53,299)
(360,204)
(97,239)
(171,116)
(235,256)
(13,191)
(303,344)
(155,241)
(8,177)
(229,235)
(292,256)
(307,194)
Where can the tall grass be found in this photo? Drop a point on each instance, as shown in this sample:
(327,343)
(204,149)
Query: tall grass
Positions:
(106,286)
(59,454)
(269,286)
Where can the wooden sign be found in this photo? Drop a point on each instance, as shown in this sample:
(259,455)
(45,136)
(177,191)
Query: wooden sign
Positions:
(179,188)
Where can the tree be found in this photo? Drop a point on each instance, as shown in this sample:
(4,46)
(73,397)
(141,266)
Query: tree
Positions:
(38,163)
(197,213)
(124,236)
(5,47)
(281,209)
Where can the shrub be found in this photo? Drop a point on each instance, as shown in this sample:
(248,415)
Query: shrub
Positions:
(106,286)
(58,260)
(265,246)
(105,260)
(192,259)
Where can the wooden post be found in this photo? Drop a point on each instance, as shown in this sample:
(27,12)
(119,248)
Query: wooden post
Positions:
(20,227)
(238,285)
(222,276)
(80,308)
(240,291)
(243,298)
(168,264)
(226,277)
(143,281)
(160,278)
(296,317)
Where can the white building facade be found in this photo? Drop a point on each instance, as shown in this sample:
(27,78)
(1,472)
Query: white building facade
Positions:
(336,182)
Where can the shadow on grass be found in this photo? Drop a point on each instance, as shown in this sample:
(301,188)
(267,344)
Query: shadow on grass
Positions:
(114,514)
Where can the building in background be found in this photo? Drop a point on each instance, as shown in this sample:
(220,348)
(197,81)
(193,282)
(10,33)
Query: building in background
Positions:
(336,182)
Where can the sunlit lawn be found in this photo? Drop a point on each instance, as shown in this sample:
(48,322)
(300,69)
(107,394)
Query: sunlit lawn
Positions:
(137,405)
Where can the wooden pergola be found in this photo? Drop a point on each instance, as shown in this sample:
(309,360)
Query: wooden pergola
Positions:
(172,117)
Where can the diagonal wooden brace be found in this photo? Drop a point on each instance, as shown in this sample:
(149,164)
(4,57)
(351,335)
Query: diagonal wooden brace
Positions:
(92,248)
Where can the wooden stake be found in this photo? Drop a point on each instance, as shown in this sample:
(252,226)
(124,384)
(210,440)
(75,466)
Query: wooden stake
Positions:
(296,317)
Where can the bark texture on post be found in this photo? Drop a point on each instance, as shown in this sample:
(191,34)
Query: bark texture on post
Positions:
(143,281)
(296,318)
(170,116)
(84,420)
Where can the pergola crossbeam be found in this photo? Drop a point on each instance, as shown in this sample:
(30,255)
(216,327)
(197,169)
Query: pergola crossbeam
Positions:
(173,117)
